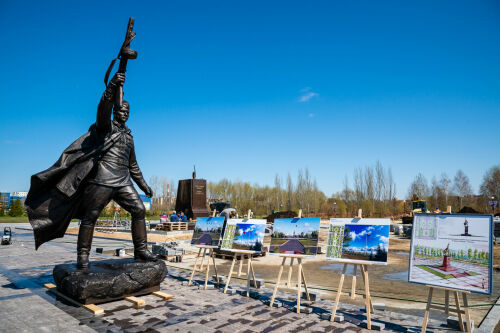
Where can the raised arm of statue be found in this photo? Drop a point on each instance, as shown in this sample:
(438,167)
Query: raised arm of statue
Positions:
(136,175)
(103,121)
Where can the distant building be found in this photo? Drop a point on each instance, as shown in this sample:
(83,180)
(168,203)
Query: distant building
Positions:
(7,198)
(146,201)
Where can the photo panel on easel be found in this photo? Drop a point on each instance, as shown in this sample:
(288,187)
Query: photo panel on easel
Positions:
(208,231)
(452,251)
(363,240)
(295,236)
(244,235)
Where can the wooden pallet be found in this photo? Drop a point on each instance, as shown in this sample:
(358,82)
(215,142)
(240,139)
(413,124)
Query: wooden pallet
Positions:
(171,226)
(97,310)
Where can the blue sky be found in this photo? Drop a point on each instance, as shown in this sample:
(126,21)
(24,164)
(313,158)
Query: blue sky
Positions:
(265,87)
(377,234)
(250,233)
(209,223)
(288,226)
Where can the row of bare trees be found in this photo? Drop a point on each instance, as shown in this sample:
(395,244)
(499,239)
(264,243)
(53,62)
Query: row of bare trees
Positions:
(457,192)
(263,200)
(373,190)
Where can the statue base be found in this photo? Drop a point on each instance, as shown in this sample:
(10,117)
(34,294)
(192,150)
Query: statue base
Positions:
(109,280)
(446,266)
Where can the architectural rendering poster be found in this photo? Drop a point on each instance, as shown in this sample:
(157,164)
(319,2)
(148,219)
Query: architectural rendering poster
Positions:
(453,251)
(295,236)
(244,235)
(362,240)
(207,231)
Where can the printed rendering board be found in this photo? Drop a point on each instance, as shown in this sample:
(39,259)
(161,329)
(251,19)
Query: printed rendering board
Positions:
(452,251)
(244,235)
(208,231)
(295,236)
(363,240)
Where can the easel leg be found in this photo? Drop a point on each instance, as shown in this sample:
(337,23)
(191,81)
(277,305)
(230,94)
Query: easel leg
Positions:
(353,286)
(241,265)
(368,304)
(215,267)
(277,282)
(250,262)
(203,260)
(459,314)
(467,313)
(248,275)
(305,285)
(364,269)
(427,310)
(339,291)
(194,267)
(447,302)
(208,270)
(290,273)
(299,284)
(230,273)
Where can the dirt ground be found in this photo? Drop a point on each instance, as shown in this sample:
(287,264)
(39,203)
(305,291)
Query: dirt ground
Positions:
(321,273)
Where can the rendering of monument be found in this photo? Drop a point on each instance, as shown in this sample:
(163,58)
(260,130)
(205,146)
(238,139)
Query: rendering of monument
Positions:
(92,171)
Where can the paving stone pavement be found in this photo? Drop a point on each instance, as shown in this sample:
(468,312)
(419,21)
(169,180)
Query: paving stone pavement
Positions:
(26,306)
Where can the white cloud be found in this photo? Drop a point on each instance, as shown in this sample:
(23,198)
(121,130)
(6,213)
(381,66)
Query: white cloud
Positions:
(311,115)
(306,224)
(240,232)
(353,235)
(384,239)
(308,96)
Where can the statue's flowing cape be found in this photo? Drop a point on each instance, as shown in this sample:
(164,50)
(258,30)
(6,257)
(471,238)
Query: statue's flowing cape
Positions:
(53,198)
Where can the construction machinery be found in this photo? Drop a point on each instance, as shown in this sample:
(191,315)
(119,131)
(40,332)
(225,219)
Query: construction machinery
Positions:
(418,206)
(7,236)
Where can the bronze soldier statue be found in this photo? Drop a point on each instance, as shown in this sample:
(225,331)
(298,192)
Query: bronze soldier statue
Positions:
(91,172)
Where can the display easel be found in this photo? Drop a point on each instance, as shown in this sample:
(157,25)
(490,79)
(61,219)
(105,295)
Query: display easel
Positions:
(300,276)
(368,302)
(446,307)
(207,269)
(241,254)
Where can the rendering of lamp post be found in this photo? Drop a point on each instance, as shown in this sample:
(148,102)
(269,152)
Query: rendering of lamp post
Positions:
(366,244)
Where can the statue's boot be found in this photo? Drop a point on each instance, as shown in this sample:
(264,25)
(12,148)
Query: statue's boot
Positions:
(139,237)
(84,243)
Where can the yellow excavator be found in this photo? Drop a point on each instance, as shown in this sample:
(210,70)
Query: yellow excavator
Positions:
(418,206)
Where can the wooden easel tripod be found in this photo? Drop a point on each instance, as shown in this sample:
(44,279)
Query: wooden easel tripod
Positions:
(446,308)
(368,302)
(200,269)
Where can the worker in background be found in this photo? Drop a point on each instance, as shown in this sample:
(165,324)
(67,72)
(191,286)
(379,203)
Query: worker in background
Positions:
(164,217)
(437,211)
(182,217)
(174,217)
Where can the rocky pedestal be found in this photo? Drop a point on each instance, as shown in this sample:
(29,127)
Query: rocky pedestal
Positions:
(109,280)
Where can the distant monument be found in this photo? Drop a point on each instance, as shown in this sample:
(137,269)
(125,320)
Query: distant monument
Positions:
(466,226)
(192,197)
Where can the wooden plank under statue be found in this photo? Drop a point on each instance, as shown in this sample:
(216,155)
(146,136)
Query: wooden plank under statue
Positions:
(192,197)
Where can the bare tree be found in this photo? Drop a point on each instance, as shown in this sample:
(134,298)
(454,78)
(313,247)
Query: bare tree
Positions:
(461,185)
(490,186)
(445,186)
(418,187)
(289,190)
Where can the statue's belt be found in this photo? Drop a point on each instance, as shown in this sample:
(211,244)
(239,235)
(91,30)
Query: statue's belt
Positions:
(114,160)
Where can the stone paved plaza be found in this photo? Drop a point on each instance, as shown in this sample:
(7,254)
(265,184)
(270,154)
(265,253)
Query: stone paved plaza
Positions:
(26,306)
